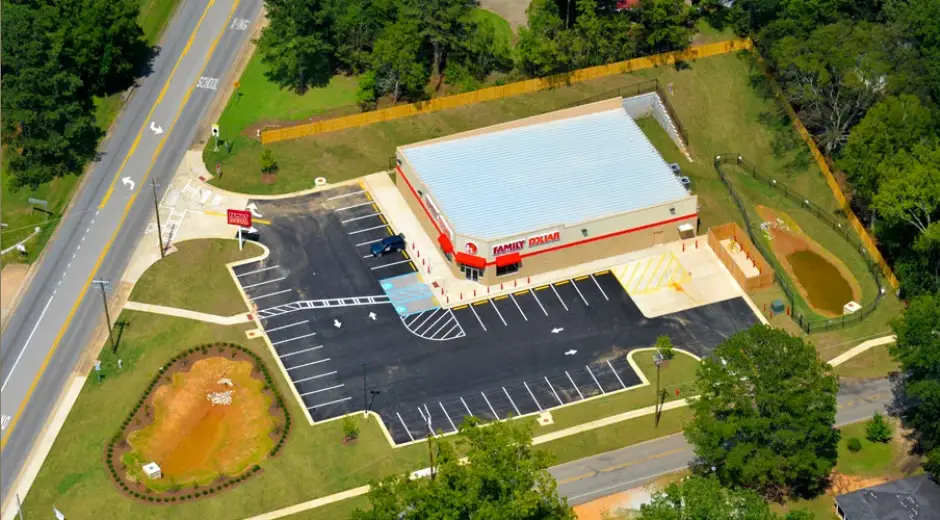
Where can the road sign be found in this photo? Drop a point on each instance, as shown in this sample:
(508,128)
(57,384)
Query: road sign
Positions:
(97,366)
(215,130)
(39,202)
(238,217)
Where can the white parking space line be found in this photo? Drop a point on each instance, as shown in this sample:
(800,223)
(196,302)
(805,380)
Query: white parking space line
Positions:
(553,390)
(439,318)
(496,415)
(574,385)
(350,194)
(370,215)
(405,426)
(256,298)
(538,301)
(327,389)
(533,396)
(467,407)
(616,374)
(499,313)
(360,244)
(376,268)
(289,354)
(311,378)
(518,307)
(367,229)
(417,317)
(579,293)
(446,334)
(264,282)
(595,379)
(286,326)
(294,338)
(599,288)
(321,405)
(516,408)
(439,329)
(559,296)
(368,256)
(308,364)
(478,317)
(257,271)
(353,206)
(426,319)
(451,421)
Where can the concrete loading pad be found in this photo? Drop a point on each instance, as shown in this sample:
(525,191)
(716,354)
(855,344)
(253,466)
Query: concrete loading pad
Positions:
(513,354)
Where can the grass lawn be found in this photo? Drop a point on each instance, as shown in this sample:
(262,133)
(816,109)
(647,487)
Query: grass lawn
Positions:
(195,278)
(874,459)
(16,211)
(875,362)
(503,29)
(677,373)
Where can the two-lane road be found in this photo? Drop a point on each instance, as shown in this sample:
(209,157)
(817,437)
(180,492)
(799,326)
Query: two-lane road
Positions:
(52,324)
(614,471)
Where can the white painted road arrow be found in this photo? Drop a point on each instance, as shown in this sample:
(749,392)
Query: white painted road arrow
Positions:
(155,129)
(337,324)
(128,182)
(253,208)
(556,330)
(372,316)
(571,352)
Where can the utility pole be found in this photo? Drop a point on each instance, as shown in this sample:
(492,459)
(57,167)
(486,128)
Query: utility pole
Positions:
(365,402)
(107,315)
(19,506)
(657,360)
(156,209)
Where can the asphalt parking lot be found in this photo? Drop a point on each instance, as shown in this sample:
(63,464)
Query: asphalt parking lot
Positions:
(324,304)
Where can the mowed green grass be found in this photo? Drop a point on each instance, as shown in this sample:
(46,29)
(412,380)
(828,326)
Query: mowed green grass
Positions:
(16,211)
(874,363)
(503,28)
(195,277)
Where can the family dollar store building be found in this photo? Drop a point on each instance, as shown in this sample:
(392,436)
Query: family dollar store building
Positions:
(544,193)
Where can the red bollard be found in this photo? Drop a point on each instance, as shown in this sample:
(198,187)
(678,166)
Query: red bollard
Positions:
(474,293)
(461,296)
(515,283)
(500,286)
(487,289)
(528,279)
(696,243)
(683,247)
(448,299)
(419,253)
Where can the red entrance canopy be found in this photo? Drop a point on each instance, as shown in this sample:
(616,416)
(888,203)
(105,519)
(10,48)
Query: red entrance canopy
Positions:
(471,260)
(445,242)
(512,258)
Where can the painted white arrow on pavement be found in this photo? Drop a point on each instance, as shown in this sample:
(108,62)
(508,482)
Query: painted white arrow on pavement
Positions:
(372,316)
(337,324)
(253,208)
(556,330)
(571,352)
(128,182)
(155,129)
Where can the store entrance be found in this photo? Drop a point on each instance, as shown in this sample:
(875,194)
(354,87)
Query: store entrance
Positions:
(472,273)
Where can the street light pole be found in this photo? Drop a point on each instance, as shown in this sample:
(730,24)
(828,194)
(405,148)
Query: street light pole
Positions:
(107,314)
(373,393)
(365,403)
(657,360)
(156,209)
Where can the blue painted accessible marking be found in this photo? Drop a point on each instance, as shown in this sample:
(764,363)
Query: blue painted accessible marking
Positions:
(408,294)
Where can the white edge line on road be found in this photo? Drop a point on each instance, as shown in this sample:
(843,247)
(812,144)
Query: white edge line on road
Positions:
(628,483)
(26,345)
(257,271)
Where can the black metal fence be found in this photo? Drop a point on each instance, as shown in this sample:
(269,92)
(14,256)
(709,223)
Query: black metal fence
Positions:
(635,89)
(841,226)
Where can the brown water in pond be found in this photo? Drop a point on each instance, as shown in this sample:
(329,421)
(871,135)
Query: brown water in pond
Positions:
(825,287)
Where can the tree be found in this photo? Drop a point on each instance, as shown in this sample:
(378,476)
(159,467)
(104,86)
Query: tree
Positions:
(918,350)
(295,45)
(478,53)
(666,25)
(752,390)
(540,48)
(894,124)
(504,478)
(920,25)
(396,61)
(441,23)
(268,162)
(704,498)
(878,429)
(834,75)
(664,347)
(356,25)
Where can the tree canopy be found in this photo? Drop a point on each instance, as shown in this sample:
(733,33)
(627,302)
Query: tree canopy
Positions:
(704,498)
(764,418)
(918,350)
(503,478)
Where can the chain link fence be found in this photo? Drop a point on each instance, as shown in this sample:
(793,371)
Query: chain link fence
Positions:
(841,226)
(635,89)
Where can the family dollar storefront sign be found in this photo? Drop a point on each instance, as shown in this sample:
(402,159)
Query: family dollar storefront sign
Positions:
(516,246)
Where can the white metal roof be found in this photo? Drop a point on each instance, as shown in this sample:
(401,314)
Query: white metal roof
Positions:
(561,172)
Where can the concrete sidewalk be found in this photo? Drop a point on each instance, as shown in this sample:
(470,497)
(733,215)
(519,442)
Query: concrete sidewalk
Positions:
(191,315)
(861,347)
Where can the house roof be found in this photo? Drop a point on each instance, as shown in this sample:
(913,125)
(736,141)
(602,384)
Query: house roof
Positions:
(914,498)
(561,172)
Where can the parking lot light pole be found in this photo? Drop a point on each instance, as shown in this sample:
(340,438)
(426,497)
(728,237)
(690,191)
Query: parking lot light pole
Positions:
(107,315)
(373,393)
(657,360)
(365,400)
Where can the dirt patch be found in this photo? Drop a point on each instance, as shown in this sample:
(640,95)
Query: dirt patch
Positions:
(841,484)
(208,420)
(822,279)
(12,277)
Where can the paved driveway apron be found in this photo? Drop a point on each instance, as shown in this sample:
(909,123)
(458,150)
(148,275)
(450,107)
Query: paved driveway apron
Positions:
(324,309)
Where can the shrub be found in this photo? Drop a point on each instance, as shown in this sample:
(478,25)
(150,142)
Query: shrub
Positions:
(878,429)
(855,445)
(664,347)
(256,468)
(150,499)
(350,428)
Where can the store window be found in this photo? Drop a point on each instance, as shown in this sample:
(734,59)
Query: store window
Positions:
(508,264)
(508,269)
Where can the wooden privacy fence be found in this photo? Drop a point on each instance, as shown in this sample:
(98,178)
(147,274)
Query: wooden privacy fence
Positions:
(833,183)
(502,91)
(734,232)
